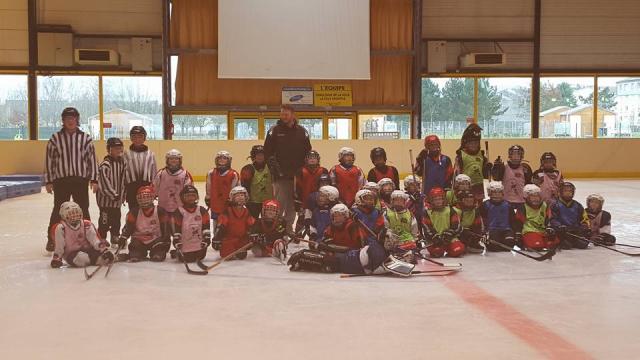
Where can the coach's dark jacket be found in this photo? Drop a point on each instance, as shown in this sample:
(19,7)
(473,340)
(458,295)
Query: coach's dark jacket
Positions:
(289,145)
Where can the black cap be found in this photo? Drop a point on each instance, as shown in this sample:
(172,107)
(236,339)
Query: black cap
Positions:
(188,189)
(70,111)
(114,141)
(137,130)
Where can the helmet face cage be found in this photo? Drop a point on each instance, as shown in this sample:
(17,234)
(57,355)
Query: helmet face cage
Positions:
(462,182)
(223,159)
(173,159)
(339,214)
(71,213)
(432,143)
(516,154)
(238,196)
(548,160)
(365,198)
(411,183)
(567,191)
(189,195)
(595,203)
(270,210)
(346,156)
(312,158)
(398,200)
(145,197)
(437,199)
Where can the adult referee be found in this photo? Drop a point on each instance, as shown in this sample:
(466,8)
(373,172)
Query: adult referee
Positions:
(285,148)
(70,167)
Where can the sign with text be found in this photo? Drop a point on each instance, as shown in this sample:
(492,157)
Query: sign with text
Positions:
(332,95)
(297,95)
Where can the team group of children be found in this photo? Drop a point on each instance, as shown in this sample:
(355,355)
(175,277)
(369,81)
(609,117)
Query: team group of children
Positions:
(368,218)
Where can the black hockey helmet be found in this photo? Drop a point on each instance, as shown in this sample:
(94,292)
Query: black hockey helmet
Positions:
(376,152)
(312,154)
(516,149)
(114,141)
(473,132)
(138,130)
(547,156)
(188,189)
(324,179)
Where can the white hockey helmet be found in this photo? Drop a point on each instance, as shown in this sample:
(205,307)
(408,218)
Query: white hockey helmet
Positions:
(339,209)
(362,194)
(599,199)
(411,179)
(173,153)
(346,151)
(495,187)
(235,192)
(462,178)
(386,181)
(330,192)
(372,186)
(71,213)
(222,154)
(531,189)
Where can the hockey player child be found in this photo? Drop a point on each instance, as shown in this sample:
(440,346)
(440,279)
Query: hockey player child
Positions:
(532,220)
(256,178)
(76,240)
(364,210)
(470,160)
(111,191)
(514,176)
(267,229)
(415,202)
(148,227)
(548,178)
(344,231)
(569,220)
(435,168)
(380,168)
(470,221)
(375,189)
(461,183)
(497,216)
(401,225)
(306,182)
(386,189)
(312,199)
(170,181)
(599,220)
(347,177)
(317,219)
(191,223)
(366,256)
(234,223)
(441,227)
(220,180)
(141,165)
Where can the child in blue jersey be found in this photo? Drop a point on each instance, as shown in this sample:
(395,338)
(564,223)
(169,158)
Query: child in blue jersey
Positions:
(498,215)
(569,220)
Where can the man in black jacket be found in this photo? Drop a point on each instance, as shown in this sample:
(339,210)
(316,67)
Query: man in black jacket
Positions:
(285,148)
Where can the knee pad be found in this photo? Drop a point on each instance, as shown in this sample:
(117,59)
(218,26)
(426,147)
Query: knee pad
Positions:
(241,256)
(81,259)
(435,252)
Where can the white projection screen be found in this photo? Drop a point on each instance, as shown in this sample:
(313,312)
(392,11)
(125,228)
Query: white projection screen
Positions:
(293,39)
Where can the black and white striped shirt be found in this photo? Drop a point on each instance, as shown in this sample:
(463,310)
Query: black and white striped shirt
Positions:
(70,155)
(141,166)
(111,183)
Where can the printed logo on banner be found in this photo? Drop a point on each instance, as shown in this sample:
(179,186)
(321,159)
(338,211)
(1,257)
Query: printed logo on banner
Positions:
(297,95)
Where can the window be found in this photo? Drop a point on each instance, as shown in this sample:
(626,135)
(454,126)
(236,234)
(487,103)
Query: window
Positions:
(57,92)
(313,126)
(340,128)
(200,127)
(618,107)
(268,123)
(447,105)
(130,101)
(504,107)
(384,126)
(14,108)
(566,107)
(245,128)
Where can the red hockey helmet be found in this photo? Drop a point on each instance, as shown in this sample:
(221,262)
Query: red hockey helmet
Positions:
(270,209)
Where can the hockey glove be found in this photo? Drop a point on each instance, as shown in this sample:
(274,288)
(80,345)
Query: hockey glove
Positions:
(56,262)
(107,256)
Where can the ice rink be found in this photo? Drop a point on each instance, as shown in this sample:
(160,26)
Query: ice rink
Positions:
(582,304)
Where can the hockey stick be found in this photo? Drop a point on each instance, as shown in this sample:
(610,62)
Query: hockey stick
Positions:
(415,272)
(627,245)
(453,266)
(88,275)
(186,266)
(203,266)
(601,245)
(115,257)
(546,256)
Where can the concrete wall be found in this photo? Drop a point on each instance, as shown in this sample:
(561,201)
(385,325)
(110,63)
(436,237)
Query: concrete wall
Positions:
(576,157)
